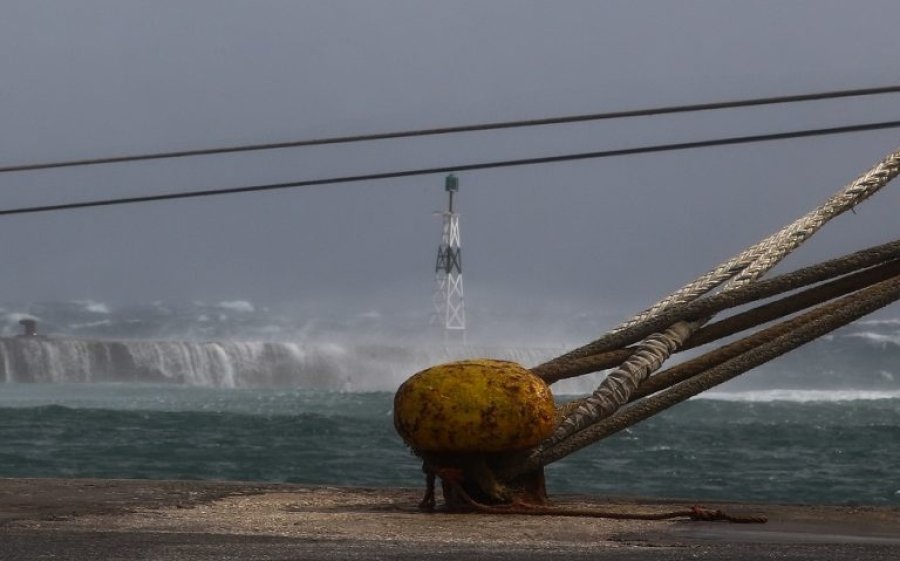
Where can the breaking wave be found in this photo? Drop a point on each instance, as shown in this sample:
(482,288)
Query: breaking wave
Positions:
(800,396)
(240,344)
(235,364)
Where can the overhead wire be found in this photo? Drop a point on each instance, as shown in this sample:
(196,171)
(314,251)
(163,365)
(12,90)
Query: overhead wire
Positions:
(459,168)
(672,109)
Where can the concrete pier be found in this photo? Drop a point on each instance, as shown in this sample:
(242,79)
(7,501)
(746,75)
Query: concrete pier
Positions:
(76,519)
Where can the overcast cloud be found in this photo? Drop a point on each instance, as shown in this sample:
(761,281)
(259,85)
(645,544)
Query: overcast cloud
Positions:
(95,78)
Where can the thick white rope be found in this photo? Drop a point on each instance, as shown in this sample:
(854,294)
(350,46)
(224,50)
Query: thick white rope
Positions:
(617,388)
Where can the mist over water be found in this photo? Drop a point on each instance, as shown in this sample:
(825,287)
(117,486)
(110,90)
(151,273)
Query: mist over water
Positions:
(238,344)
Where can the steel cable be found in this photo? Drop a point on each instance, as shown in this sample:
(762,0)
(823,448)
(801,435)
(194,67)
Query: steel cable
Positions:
(460,129)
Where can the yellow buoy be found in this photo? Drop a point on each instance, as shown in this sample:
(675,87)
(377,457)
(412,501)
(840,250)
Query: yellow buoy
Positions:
(472,406)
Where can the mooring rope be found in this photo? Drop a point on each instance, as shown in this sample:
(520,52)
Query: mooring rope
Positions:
(686,370)
(792,304)
(610,356)
(618,386)
(754,259)
(616,389)
(694,513)
(736,323)
(809,326)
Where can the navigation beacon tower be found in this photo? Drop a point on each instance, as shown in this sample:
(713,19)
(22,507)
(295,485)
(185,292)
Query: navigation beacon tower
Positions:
(449,310)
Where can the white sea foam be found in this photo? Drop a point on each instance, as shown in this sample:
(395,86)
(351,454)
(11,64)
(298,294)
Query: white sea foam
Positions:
(801,396)
(93,306)
(371,314)
(90,324)
(237,306)
(319,365)
(894,321)
(879,338)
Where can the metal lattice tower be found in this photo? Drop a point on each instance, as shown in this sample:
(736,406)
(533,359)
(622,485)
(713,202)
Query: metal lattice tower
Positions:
(449,309)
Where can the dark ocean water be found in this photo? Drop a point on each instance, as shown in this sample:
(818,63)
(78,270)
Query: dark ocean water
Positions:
(835,446)
(230,390)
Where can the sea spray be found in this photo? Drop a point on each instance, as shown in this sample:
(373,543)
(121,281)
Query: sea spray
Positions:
(237,364)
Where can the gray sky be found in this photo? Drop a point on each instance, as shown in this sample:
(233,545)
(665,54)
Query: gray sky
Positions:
(95,78)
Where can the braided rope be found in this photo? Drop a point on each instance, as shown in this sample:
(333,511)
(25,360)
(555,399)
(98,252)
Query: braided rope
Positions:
(731,325)
(617,388)
(816,323)
(788,305)
(552,372)
(779,309)
(756,260)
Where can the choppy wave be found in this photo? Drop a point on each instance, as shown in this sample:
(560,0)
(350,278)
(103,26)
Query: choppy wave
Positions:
(880,322)
(800,396)
(702,449)
(878,338)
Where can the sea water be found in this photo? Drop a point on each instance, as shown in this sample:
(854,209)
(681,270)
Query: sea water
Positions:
(837,447)
(232,391)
